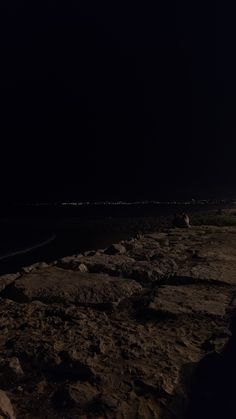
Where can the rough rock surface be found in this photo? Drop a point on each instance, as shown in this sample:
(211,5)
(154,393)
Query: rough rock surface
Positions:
(7,279)
(142,331)
(6,409)
(55,285)
(176,300)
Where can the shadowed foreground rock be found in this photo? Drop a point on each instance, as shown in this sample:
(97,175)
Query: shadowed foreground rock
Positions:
(6,409)
(132,331)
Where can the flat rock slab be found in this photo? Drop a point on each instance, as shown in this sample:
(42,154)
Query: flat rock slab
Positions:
(56,285)
(207,252)
(192,299)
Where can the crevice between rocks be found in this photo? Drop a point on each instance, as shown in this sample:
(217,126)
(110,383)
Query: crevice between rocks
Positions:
(190,280)
(12,293)
(213,389)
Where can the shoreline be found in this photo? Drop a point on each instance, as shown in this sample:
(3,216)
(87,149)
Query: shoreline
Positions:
(79,235)
(111,332)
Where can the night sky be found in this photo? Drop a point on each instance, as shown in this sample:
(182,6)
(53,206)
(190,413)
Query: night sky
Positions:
(108,100)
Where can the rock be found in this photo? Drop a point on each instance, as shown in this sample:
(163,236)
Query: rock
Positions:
(7,280)
(6,409)
(82,393)
(217,341)
(139,236)
(15,367)
(145,273)
(139,253)
(40,388)
(156,256)
(114,249)
(69,262)
(61,399)
(82,268)
(57,285)
(132,245)
(70,368)
(161,239)
(34,266)
(147,389)
(54,262)
(194,299)
(114,265)
(42,265)
(103,406)
(102,346)
(139,360)
(90,253)
(11,370)
(77,394)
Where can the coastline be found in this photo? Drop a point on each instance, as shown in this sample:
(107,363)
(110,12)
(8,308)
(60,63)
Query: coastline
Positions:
(124,330)
(75,234)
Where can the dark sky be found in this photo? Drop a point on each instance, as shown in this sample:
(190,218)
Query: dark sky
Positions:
(108,100)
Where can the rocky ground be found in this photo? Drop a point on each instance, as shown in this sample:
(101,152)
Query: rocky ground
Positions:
(142,329)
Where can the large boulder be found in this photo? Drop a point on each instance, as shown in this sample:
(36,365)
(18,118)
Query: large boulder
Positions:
(6,409)
(56,285)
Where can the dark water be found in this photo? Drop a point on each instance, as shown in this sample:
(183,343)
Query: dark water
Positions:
(51,232)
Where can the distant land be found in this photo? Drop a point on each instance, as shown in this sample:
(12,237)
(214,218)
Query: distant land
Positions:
(193,201)
(147,202)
